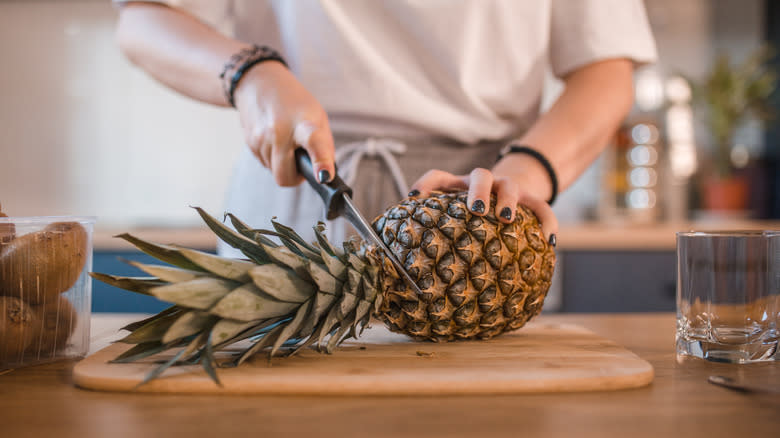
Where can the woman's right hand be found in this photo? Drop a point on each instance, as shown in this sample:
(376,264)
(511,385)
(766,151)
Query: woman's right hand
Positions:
(278,115)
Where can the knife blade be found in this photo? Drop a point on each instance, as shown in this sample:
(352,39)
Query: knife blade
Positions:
(337,196)
(737,385)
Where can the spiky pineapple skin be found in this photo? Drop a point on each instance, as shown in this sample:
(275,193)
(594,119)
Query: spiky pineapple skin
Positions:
(479,277)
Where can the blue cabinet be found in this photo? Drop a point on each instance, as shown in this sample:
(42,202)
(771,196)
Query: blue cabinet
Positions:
(619,281)
(106,298)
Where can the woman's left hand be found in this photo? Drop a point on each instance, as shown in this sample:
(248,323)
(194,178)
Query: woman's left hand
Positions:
(510,191)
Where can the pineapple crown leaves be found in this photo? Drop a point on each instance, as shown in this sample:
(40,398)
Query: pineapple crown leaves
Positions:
(295,294)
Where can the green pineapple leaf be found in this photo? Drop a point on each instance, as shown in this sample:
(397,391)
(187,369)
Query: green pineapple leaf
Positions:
(152,331)
(141,285)
(322,303)
(159,370)
(141,351)
(187,324)
(226,329)
(249,247)
(289,233)
(248,303)
(325,281)
(340,336)
(231,269)
(248,232)
(135,325)
(335,266)
(200,293)
(324,243)
(282,284)
(209,362)
(165,273)
(287,257)
(266,341)
(291,328)
(164,253)
(331,321)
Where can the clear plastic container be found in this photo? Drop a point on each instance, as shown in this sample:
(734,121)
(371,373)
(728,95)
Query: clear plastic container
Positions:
(45,289)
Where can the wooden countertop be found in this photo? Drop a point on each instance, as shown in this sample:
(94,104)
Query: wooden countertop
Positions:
(595,236)
(41,401)
(194,237)
(660,236)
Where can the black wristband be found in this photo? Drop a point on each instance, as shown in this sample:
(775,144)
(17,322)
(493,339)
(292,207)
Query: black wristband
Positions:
(516,149)
(240,63)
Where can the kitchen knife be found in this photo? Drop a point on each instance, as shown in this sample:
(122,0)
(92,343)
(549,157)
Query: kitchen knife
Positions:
(337,197)
(738,385)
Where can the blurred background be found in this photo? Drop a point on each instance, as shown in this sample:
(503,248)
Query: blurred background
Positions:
(83,132)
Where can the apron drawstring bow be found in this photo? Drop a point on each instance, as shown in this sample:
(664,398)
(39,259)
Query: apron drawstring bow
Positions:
(348,159)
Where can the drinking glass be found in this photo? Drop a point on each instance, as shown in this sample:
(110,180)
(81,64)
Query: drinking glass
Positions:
(728,304)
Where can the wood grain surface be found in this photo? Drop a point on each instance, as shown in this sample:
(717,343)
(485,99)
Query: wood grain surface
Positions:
(42,401)
(538,358)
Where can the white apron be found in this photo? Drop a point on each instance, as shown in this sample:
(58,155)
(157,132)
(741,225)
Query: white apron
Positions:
(379,170)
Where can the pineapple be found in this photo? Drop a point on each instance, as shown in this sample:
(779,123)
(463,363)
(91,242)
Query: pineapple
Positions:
(478,278)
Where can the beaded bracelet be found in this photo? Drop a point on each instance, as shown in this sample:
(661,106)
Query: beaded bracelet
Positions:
(240,63)
(516,149)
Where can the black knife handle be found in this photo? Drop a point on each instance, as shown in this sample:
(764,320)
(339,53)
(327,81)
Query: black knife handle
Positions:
(332,193)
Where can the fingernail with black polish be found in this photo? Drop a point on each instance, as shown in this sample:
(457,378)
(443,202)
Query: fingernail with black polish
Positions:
(414,193)
(506,213)
(553,240)
(324,176)
(478,206)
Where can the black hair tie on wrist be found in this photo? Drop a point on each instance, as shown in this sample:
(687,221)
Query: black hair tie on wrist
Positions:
(240,63)
(516,149)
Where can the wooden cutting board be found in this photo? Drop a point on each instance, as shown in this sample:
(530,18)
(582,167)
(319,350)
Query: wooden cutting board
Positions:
(537,358)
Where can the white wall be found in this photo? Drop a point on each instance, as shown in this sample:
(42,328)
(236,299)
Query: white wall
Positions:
(83,132)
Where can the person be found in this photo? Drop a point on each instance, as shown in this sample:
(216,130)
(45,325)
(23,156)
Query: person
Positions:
(443,93)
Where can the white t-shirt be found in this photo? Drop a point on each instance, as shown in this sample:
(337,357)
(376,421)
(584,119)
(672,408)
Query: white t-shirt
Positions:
(468,70)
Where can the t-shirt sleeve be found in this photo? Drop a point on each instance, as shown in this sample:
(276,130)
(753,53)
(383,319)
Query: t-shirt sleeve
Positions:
(587,31)
(215,13)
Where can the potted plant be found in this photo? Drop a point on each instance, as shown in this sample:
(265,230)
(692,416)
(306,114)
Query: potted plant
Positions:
(730,94)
